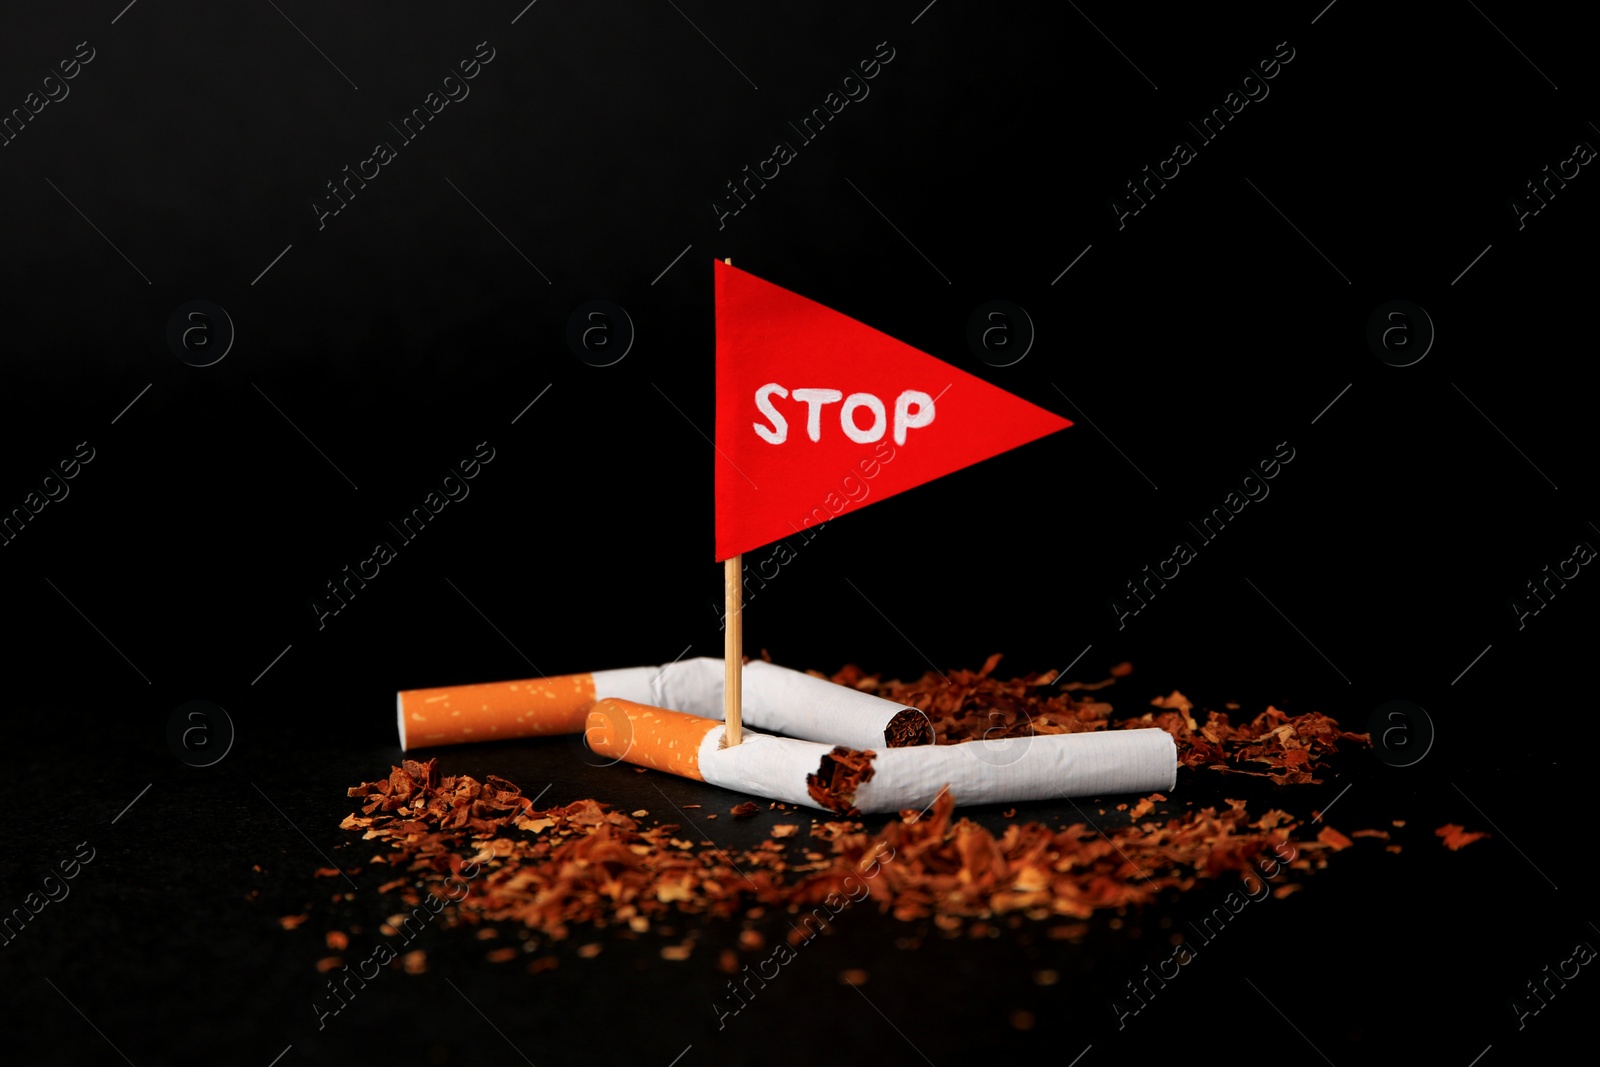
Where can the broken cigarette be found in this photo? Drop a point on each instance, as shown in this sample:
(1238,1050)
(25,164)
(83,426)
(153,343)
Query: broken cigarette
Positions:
(835,778)
(775,699)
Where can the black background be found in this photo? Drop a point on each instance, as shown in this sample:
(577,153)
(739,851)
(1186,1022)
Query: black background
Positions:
(380,349)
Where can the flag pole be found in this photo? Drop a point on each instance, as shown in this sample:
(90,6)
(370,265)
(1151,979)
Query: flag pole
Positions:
(733,639)
(733,646)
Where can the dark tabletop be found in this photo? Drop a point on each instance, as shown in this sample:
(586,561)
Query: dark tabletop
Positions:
(1428,541)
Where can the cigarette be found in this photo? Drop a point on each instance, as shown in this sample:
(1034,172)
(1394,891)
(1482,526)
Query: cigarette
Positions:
(792,703)
(802,705)
(775,699)
(835,778)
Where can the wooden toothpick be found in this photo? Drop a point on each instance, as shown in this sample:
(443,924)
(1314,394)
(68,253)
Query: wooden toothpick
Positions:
(733,645)
(733,640)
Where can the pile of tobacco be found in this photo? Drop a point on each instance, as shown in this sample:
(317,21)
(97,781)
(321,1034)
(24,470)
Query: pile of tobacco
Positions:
(559,871)
(968,705)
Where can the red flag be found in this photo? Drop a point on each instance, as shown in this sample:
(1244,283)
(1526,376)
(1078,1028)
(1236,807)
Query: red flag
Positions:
(818,414)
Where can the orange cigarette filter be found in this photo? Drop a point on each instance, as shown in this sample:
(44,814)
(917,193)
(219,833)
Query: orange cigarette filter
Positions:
(663,740)
(458,714)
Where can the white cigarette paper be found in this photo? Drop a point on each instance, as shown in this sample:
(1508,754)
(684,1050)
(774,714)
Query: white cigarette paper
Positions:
(773,698)
(1043,767)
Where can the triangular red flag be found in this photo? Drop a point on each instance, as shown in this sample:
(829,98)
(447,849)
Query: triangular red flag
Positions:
(819,415)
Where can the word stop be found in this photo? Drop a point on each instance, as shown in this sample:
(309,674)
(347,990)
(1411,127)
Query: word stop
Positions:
(912,408)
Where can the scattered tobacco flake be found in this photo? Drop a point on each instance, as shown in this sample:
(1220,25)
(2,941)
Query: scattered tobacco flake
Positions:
(1456,837)
(1333,839)
(582,866)
(853,976)
(337,940)
(827,831)
(744,810)
(415,961)
(289,922)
